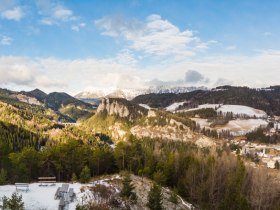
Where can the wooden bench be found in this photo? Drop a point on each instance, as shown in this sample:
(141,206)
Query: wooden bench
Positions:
(22,186)
(45,181)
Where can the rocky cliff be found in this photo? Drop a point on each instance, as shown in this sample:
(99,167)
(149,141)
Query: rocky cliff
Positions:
(121,108)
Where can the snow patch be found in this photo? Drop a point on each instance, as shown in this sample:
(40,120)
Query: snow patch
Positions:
(174,106)
(145,106)
(242,110)
(39,197)
(235,109)
(236,127)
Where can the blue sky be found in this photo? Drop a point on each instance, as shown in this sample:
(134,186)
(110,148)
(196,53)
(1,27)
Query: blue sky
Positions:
(75,45)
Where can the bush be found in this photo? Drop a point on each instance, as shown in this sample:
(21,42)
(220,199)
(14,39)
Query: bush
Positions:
(85,175)
(13,203)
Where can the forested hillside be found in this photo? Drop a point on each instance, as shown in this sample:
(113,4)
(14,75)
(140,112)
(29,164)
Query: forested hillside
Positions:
(33,144)
(265,99)
(68,108)
(210,179)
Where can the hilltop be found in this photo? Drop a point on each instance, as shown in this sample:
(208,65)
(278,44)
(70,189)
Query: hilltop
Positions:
(267,99)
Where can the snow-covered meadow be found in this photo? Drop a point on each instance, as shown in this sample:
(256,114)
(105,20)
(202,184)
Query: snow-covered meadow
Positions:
(242,110)
(235,109)
(39,197)
(236,127)
(42,197)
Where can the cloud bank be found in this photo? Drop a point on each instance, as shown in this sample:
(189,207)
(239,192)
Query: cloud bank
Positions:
(53,74)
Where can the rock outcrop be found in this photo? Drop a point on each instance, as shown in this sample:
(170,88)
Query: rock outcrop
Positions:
(113,107)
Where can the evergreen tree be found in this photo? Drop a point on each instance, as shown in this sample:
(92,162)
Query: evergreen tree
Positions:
(85,175)
(13,203)
(174,198)
(277,165)
(3,176)
(155,198)
(159,177)
(127,190)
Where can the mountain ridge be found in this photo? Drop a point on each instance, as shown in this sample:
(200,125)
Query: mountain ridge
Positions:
(132,93)
(267,99)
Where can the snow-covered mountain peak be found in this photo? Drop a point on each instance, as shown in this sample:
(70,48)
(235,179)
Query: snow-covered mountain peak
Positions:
(132,93)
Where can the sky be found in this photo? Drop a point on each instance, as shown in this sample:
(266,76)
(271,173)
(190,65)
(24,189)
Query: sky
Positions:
(76,45)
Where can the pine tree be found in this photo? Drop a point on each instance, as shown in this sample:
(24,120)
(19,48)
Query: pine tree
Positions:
(3,176)
(85,175)
(155,198)
(127,190)
(13,203)
(277,165)
(174,198)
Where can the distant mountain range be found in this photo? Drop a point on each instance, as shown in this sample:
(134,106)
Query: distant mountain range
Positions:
(129,94)
(70,108)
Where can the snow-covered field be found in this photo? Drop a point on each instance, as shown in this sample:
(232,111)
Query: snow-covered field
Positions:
(42,198)
(202,106)
(245,110)
(235,109)
(241,127)
(236,127)
(174,106)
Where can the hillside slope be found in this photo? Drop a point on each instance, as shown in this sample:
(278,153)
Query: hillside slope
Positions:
(119,119)
(267,99)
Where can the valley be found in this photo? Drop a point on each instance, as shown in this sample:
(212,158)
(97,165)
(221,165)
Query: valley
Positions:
(183,147)
(139,105)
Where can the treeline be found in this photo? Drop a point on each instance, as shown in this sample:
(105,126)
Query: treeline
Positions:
(65,161)
(259,135)
(205,113)
(209,178)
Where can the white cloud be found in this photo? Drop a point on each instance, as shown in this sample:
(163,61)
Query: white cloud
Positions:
(53,74)
(21,71)
(63,14)
(155,36)
(13,14)
(47,21)
(5,40)
(126,57)
(53,12)
(78,27)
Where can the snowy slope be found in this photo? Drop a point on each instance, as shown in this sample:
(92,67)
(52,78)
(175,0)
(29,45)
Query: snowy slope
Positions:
(246,110)
(174,106)
(241,127)
(202,106)
(236,127)
(145,106)
(235,109)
